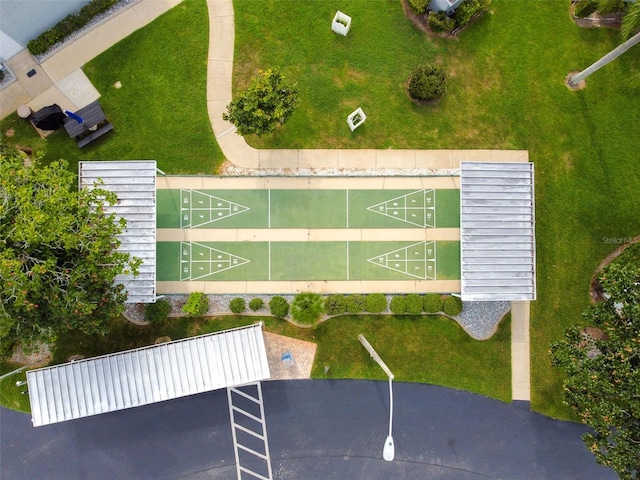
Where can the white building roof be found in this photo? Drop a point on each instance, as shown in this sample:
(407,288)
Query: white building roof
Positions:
(147,375)
(134,182)
(497,234)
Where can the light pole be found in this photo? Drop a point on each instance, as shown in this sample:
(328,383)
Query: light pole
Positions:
(388,451)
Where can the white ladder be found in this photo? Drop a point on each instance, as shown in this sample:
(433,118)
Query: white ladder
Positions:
(249,430)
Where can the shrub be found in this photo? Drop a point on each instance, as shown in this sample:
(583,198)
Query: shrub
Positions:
(610,6)
(427,82)
(279,307)
(356,303)
(376,303)
(335,304)
(68,25)
(413,303)
(419,6)
(432,303)
(157,312)
(237,305)
(440,22)
(467,9)
(584,8)
(452,306)
(256,304)
(306,308)
(398,305)
(197,305)
(266,104)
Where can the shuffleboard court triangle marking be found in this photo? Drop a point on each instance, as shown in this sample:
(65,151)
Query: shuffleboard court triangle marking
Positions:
(198,261)
(416,208)
(198,208)
(417,260)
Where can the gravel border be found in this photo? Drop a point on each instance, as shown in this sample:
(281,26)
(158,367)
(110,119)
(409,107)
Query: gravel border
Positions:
(233,170)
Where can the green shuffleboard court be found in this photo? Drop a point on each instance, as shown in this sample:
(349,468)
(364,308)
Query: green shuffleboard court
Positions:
(318,209)
(330,261)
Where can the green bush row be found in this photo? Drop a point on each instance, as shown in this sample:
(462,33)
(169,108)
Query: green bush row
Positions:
(307,308)
(68,25)
(412,304)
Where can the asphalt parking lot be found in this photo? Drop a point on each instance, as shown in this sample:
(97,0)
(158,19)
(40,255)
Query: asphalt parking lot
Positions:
(317,430)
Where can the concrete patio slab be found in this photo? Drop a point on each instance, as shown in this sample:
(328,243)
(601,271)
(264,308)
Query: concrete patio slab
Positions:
(78,89)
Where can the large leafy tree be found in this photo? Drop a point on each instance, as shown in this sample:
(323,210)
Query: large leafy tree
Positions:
(603,382)
(630,24)
(268,102)
(58,257)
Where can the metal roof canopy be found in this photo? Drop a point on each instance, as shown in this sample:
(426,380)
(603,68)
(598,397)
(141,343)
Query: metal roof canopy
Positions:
(147,375)
(497,234)
(134,182)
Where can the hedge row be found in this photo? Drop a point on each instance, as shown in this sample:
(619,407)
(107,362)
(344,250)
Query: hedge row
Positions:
(68,25)
(307,308)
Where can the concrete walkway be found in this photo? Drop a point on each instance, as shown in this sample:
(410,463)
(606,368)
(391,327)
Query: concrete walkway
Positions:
(59,79)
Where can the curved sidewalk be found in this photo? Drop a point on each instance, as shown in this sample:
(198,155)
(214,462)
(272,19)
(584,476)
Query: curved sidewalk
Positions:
(237,151)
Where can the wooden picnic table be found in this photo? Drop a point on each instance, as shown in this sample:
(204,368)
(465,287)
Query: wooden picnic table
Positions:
(94,126)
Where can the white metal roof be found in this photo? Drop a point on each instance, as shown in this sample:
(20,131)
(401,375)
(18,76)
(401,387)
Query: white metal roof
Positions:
(497,234)
(135,184)
(147,375)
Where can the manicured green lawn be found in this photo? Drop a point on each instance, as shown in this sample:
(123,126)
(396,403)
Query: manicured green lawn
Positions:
(505,91)
(428,349)
(160,113)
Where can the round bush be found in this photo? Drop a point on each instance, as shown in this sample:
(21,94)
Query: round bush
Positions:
(452,306)
(413,304)
(610,6)
(427,83)
(398,305)
(432,303)
(376,303)
(356,303)
(335,304)
(256,304)
(584,8)
(197,305)
(279,307)
(237,305)
(306,308)
(419,6)
(157,312)
(439,22)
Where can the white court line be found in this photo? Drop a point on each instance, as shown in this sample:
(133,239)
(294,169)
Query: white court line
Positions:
(269,208)
(347,208)
(269,260)
(434,209)
(347,259)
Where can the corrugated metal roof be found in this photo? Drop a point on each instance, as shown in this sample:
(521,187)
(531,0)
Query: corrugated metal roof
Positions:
(497,231)
(135,184)
(147,375)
